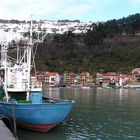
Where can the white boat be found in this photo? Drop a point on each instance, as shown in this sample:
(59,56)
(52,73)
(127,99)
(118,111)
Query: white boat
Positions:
(132,85)
(85,87)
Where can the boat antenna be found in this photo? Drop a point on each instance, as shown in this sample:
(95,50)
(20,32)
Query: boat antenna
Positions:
(29,48)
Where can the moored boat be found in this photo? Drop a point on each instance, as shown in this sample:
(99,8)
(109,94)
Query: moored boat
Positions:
(37,116)
(132,85)
(85,87)
(24,99)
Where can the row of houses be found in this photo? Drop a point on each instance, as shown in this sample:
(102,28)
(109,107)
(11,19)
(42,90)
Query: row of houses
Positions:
(67,79)
(86,79)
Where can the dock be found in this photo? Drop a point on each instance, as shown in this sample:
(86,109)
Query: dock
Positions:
(5,133)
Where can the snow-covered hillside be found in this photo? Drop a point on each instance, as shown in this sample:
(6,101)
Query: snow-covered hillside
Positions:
(14,31)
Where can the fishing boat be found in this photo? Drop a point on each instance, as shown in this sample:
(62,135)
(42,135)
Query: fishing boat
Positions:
(24,100)
(38,115)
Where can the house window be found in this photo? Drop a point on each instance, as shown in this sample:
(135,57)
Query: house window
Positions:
(52,79)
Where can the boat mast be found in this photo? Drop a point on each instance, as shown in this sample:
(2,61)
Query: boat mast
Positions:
(18,53)
(4,64)
(29,48)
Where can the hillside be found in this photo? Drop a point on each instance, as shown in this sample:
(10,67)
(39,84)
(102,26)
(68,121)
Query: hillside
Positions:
(113,45)
(114,54)
(110,46)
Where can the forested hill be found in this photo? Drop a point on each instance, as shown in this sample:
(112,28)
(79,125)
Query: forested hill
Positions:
(109,46)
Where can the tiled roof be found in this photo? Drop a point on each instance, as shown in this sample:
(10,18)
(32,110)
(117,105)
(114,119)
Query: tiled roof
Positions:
(52,73)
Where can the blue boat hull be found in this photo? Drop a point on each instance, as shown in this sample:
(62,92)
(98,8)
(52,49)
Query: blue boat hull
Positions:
(39,117)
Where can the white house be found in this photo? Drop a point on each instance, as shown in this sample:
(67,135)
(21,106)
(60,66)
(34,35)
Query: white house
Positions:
(52,78)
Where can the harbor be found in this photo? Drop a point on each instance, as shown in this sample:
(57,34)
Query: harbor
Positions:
(98,113)
(65,79)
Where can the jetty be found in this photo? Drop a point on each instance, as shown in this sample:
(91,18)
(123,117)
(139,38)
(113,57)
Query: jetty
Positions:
(5,133)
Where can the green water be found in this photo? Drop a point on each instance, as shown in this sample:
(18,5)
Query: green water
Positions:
(98,114)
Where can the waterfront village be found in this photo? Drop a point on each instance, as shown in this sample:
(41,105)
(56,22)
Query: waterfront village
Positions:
(87,80)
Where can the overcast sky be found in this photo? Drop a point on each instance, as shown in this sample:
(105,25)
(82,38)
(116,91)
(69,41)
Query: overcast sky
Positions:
(84,10)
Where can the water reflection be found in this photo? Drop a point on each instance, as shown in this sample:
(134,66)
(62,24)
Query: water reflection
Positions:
(98,114)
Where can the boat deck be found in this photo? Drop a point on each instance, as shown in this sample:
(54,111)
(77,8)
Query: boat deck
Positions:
(5,133)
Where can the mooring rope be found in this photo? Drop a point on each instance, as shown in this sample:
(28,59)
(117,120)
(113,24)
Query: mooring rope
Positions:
(14,120)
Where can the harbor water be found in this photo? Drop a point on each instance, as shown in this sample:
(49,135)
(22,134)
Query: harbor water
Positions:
(98,114)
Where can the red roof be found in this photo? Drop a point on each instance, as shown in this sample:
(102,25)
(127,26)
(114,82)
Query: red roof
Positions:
(134,83)
(52,73)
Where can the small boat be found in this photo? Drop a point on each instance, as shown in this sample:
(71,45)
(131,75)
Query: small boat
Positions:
(24,100)
(85,87)
(132,85)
